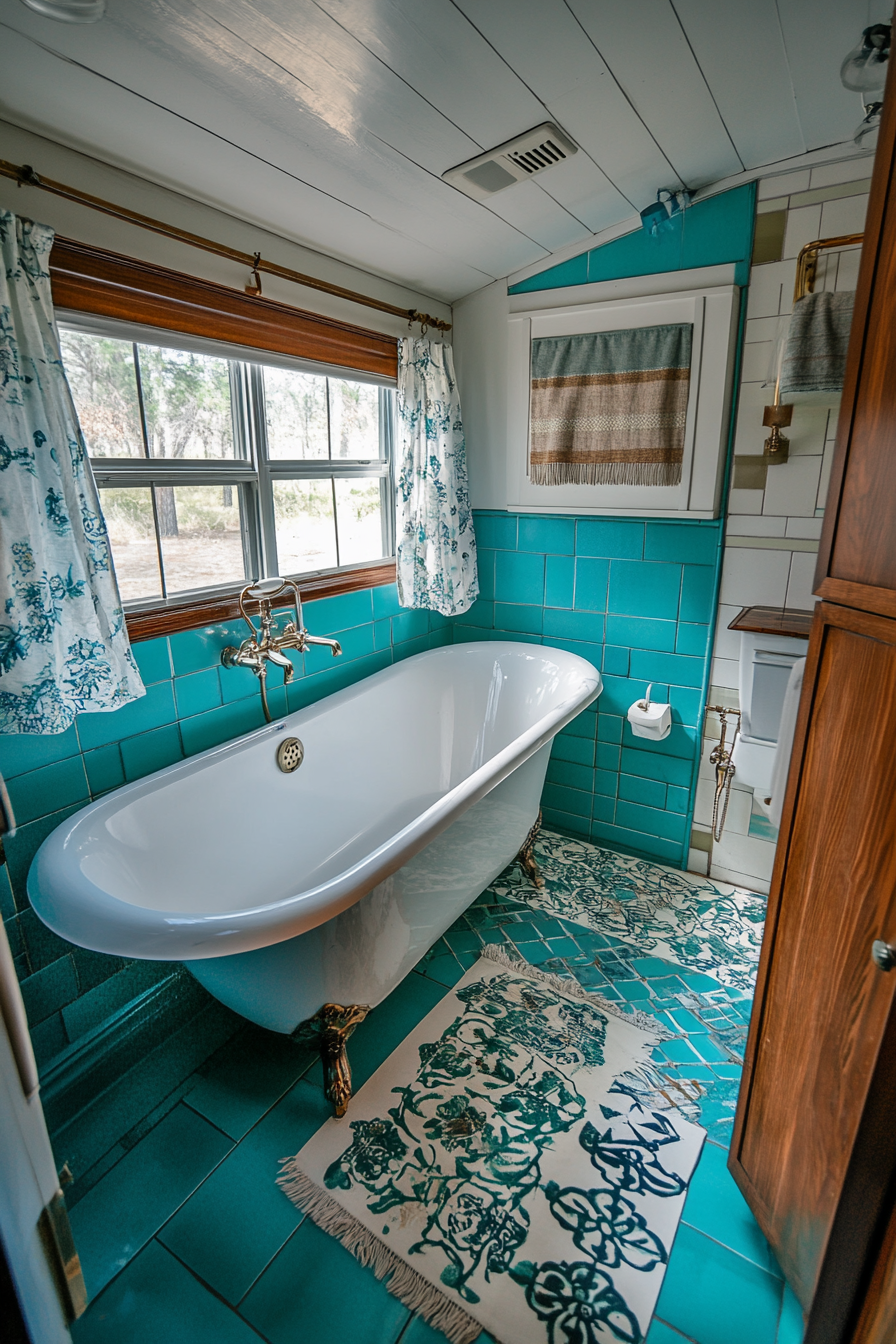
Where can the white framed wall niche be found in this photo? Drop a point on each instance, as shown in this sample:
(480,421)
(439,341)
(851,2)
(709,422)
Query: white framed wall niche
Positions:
(713,315)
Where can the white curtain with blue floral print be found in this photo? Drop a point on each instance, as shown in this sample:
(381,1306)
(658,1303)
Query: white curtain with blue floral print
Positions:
(63,642)
(436,551)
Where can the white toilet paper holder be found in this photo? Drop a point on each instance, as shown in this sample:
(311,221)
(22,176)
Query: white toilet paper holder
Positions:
(650,720)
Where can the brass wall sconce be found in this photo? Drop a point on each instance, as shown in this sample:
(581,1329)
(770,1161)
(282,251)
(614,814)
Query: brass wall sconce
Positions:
(777,445)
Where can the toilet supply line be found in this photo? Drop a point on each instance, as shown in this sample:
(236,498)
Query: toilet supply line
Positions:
(720,757)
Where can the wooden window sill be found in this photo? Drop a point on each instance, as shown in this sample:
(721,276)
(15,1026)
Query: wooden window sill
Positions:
(193,612)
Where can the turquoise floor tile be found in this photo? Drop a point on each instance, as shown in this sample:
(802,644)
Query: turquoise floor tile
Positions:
(316,1292)
(130,1204)
(716,1206)
(791,1326)
(238,1219)
(249,1076)
(445,970)
(660,1333)
(156,1299)
(714,1296)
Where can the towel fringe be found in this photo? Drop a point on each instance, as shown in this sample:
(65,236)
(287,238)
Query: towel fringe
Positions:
(605,473)
(405,1283)
(573,990)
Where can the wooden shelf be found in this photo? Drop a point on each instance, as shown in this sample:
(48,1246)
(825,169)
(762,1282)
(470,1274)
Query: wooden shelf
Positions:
(774,621)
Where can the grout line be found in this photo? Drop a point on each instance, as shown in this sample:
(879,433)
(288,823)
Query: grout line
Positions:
(212,1291)
(778,1278)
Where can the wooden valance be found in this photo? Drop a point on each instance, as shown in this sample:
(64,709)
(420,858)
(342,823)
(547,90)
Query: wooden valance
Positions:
(91,280)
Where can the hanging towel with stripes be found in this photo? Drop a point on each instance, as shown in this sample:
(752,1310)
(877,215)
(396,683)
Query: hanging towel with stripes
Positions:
(609,407)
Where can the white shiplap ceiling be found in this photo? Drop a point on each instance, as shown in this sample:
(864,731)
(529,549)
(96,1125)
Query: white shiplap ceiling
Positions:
(331,121)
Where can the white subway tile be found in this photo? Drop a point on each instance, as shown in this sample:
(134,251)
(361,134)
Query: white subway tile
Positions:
(783,184)
(745,501)
(727,643)
(721,693)
(848,170)
(808,430)
(755,364)
(752,576)
(749,525)
(804,527)
(724,669)
(761,329)
(703,802)
(764,297)
(792,487)
(750,881)
(745,854)
(802,578)
(844,216)
(803,226)
(848,269)
(698,861)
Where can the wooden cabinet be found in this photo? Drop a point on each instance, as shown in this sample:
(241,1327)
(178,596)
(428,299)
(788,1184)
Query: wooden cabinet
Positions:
(814,1147)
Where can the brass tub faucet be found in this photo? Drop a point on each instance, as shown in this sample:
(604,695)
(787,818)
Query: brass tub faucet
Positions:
(266,645)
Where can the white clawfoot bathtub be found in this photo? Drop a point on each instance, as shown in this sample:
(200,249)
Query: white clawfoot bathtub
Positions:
(281,891)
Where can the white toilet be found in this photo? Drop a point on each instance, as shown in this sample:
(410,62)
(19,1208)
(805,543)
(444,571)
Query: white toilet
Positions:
(765,666)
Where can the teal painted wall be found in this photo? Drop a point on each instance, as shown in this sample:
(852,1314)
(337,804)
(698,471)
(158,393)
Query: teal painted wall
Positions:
(191,703)
(719,229)
(636,598)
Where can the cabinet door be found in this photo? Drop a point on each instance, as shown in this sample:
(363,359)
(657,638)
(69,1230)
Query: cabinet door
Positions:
(857,555)
(822,1005)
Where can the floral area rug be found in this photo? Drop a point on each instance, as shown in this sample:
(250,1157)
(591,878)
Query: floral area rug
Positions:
(697,923)
(498,1170)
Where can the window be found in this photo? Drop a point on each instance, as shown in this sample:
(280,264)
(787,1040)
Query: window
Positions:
(214,470)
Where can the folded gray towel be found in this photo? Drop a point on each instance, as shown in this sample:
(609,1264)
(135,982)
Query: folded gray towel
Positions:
(815,356)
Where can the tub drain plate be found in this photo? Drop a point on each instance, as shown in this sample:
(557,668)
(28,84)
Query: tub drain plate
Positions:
(290,755)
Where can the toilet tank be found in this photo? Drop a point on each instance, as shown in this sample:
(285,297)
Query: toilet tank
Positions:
(765,664)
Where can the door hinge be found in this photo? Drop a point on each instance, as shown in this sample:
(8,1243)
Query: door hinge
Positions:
(59,1248)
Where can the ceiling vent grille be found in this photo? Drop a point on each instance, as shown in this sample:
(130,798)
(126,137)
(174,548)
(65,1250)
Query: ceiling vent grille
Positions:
(515,161)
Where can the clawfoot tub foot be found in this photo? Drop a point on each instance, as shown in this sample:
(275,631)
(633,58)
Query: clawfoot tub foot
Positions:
(526,856)
(330,1029)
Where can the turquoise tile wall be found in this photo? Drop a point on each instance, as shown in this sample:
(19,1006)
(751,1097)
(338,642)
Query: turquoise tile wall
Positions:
(717,229)
(191,703)
(633,597)
(636,598)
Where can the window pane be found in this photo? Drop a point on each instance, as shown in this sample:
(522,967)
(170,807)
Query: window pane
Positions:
(200,527)
(306,534)
(360,516)
(354,420)
(132,533)
(186,399)
(296,414)
(101,376)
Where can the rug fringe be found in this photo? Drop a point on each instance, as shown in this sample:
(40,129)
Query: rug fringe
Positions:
(405,1283)
(573,990)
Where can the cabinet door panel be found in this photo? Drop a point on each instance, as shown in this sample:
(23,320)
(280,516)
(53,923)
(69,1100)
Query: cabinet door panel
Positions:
(822,1004)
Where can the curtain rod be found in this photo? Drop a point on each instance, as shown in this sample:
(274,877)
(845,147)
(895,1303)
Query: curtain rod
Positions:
(24,175)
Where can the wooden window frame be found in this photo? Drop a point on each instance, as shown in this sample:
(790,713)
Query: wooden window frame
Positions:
(92,280)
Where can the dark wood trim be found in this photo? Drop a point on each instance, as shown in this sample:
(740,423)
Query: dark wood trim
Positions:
(863,596)
(92,280)
(774,621)
(199,611)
